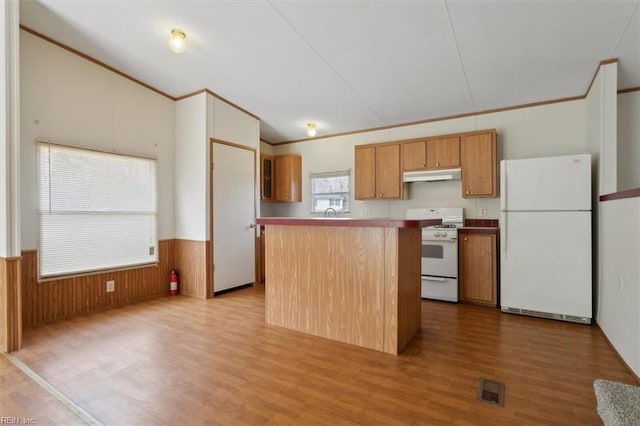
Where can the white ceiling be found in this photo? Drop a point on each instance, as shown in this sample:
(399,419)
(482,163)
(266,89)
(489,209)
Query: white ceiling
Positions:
(353,65)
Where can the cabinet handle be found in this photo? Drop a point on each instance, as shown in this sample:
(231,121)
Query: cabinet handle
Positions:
(467,191)
(373,195)
(380,195)
(424,165)
(437,164)
(466,239)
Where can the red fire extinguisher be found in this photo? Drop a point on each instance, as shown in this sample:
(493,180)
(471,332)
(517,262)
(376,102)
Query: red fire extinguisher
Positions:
(173,283)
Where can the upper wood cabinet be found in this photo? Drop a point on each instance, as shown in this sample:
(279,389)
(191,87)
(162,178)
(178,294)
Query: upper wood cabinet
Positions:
(377,172)
(266,177)
(427,154)
(443,153)
(479,163)
(478,268)
(287,178)
(379,167)
(414,155)
(281,178)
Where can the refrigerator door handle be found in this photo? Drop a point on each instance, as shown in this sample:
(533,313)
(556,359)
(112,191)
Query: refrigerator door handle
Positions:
(503,185)
(503,234)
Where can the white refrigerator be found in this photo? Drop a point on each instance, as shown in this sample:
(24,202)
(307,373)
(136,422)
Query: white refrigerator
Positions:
(545,237)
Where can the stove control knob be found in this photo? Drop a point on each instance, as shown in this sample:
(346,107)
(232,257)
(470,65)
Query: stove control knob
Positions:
(444,234)
(437,234)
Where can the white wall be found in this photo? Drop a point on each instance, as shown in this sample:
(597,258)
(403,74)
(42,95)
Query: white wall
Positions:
(233,125)
(9,129)
(601,124)
(69,100)
(619,289)
(191,168)
(628,140)
(553,129)
(618,235)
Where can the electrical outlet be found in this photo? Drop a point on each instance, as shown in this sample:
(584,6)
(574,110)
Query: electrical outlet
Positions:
(111,286)
(482,211)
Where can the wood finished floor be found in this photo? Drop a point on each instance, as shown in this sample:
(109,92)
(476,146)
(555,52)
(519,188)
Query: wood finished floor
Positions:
(188,361)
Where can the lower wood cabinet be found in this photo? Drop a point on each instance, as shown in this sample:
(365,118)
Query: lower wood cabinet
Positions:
(478,264)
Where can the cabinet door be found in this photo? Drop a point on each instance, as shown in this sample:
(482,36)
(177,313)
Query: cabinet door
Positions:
(288,178)
(478,160)
(414,155)
(478,266)
(266,178)
(388,175)
(443,153)
(365,172)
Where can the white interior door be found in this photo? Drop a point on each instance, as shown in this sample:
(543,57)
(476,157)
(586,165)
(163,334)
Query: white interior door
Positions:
(233,216)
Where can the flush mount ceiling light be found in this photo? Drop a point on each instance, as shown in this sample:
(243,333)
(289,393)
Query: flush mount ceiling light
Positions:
(177,42)
(311,129)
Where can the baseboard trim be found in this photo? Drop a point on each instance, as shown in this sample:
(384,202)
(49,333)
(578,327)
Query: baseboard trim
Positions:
(635,376)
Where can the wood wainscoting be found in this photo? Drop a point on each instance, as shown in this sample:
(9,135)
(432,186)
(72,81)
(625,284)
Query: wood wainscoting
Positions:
(194,260)
(10,305)
(52,300)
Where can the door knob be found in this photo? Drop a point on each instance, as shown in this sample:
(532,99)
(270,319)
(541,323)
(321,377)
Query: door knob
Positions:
(252,225)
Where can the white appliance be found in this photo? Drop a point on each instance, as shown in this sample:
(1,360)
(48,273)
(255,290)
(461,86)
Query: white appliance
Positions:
(439,252)
(432,175)
(545,237)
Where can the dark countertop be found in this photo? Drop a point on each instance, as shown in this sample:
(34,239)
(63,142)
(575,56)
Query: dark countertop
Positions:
(480,226)
(478,230)
(347,221)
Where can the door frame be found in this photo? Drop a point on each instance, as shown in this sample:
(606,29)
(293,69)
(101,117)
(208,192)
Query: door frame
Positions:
(209,246)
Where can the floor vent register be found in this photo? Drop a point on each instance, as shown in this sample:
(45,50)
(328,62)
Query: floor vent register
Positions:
(491,391)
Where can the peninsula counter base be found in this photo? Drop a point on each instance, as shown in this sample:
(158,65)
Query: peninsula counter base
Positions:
(354,284)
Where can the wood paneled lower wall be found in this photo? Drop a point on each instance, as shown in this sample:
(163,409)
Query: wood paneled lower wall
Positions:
(53,300)
(10,305)
(193,258)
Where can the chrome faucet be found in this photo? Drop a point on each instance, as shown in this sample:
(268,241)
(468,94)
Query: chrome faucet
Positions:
(326,212)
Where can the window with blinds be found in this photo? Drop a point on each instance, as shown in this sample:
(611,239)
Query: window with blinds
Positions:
(97,211)
(330,190)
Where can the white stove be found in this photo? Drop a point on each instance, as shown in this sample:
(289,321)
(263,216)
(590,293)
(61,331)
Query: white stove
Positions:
(440,252)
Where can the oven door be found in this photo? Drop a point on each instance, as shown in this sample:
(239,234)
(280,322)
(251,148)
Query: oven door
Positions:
(440,258)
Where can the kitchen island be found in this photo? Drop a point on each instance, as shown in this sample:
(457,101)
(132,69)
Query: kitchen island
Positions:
(352,280)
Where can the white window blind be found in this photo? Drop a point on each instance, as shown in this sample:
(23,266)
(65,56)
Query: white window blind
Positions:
(330,190)
(97,210)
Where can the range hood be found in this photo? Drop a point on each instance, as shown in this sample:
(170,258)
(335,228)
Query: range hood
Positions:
(431,175)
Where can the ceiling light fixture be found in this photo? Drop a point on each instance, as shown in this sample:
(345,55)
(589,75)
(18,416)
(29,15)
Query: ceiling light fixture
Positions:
(177,42)
(311,129)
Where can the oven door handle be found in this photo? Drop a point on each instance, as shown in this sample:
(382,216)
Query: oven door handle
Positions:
(427,278)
